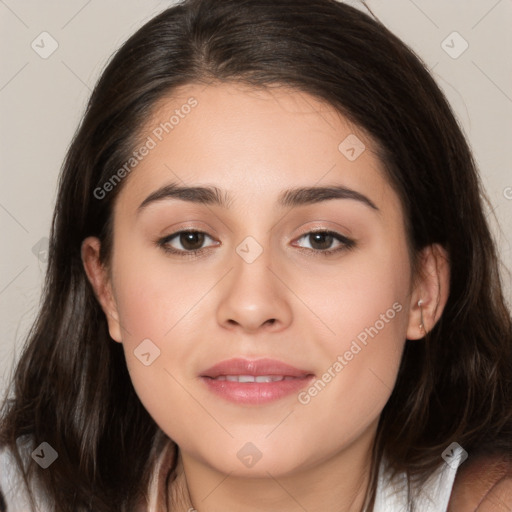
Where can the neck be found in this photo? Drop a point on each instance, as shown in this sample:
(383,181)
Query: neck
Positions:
(339,483)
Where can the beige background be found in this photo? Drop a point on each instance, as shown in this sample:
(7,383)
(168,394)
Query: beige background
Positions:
(42,100)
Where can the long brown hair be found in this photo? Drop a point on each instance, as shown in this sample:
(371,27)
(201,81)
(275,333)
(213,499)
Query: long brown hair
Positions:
(71,387)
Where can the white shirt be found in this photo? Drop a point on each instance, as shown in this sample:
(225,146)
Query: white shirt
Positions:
(432,497)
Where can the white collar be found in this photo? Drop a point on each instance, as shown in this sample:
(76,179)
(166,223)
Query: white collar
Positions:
(434,495)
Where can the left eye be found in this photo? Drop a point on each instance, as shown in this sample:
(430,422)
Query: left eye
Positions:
(324,239)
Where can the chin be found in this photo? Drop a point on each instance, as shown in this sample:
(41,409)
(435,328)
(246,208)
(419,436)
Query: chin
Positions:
(249,461)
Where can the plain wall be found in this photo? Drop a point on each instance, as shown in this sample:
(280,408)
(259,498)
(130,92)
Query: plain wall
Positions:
(43,99)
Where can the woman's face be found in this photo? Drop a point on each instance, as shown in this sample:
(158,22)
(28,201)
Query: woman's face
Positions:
(263,286)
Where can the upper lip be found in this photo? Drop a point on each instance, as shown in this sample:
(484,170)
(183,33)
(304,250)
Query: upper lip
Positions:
(240,366)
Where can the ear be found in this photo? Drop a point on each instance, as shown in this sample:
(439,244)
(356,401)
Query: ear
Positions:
(100,281)
(432,287)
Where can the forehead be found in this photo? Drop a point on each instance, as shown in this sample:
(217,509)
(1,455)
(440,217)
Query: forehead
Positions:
(253,143)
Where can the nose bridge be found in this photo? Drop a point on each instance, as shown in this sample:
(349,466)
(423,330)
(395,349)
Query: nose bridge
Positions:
(252,274)
(254,295)
(253,240)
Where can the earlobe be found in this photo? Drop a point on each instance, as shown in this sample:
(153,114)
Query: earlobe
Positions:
(100,282)
(431,291)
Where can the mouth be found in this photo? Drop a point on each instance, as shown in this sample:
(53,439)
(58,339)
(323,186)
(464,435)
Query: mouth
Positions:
(254,382)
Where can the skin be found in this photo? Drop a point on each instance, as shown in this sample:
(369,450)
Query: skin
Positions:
(484,484)
(201,310)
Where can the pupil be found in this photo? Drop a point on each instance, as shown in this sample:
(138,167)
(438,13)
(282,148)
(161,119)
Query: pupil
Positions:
(188,239)
(327,238)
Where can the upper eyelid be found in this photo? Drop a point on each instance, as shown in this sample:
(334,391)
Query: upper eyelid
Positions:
(197,230)
(320,226)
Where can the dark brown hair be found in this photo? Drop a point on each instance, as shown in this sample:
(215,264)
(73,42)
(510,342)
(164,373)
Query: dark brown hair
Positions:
(71,387)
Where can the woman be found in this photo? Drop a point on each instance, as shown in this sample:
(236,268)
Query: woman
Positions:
(192,353)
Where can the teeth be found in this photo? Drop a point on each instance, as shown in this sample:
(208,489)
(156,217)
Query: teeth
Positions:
(252,378)
(245,378)
(269,378)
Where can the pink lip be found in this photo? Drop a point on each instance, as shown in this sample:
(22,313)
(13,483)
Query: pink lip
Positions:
(255,392)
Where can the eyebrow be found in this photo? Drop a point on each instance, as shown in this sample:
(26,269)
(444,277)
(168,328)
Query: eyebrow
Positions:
(210,195)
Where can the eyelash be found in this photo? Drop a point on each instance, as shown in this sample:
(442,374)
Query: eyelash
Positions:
(347,243)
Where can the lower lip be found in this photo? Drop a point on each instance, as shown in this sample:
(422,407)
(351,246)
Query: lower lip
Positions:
(256,392)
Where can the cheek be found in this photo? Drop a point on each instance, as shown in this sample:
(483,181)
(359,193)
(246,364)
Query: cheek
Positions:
(364,298)
(155,296)
(364,311)
(155,302)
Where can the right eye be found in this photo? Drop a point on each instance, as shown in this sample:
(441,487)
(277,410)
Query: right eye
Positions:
(190,240)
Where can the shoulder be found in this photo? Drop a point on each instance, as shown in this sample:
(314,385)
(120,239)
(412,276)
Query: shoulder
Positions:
(484,483)
(9,479)
(13,491)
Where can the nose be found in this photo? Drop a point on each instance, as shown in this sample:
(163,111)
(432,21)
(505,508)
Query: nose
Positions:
(254,296)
